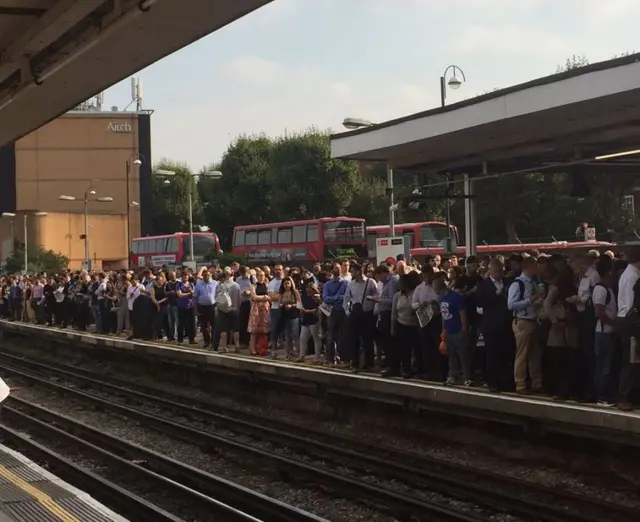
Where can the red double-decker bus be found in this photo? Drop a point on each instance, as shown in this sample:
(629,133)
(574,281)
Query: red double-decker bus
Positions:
(303,242)
(173,249)
(418,235)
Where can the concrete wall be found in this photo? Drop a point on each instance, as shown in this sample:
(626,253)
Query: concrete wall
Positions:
(73,154)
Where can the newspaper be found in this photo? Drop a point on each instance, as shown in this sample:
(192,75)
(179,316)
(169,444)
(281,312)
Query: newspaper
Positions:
(424,315)
(326,309)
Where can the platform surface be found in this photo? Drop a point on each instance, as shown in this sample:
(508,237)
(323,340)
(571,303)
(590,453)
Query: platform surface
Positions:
(424,395)
(29,493)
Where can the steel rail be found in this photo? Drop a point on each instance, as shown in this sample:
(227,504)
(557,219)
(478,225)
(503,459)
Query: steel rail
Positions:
(481,487)
(401,505)
(126,503)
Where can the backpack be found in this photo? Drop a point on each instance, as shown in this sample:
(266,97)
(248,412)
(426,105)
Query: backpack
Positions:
(521,289)
(223,299)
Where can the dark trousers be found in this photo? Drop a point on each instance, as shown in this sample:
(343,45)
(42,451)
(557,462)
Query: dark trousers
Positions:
(627,368)
(382,334)
(186,324)
(103,324)
(433,363)
(243,322)
(404,342)
(586,355)
(336,326)
(361,326)
(62,313)
(206,314)
(499,347)
(161,322)
(605,383)
(563,370)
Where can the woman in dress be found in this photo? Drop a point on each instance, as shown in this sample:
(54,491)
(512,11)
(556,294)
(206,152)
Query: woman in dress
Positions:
(259,317)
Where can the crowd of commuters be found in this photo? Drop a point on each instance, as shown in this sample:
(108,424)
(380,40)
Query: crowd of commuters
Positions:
(532,324)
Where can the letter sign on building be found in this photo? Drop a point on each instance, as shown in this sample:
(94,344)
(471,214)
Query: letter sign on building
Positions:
(119,127)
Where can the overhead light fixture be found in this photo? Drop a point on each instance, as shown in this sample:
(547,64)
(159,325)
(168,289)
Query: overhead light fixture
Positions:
(356,123)
(618,154)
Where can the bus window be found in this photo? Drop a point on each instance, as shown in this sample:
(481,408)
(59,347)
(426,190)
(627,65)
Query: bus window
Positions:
(409,239)
(433,235)
(312,233)
(371,243)
(343,231)
(284,236)
(299,234)
(173,245)
(264,237)
(238,238)
(251,239)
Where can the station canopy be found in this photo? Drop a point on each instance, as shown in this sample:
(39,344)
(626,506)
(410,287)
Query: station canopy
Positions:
(55,54)
(564,120)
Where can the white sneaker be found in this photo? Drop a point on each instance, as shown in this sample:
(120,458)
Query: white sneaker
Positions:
(606,404)
(450,382)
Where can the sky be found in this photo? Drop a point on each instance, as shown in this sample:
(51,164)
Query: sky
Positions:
(296,64)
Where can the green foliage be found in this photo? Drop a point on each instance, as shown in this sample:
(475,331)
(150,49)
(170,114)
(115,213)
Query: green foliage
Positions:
(573,62)
(38,260)
(227,258)
(170,200)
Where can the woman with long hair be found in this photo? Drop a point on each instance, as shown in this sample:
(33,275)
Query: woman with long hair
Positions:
(405,329)
(562,340)
(259,316)
(290,303)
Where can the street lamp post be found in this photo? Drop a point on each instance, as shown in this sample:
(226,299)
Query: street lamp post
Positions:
(215,174)
(11,215)
(454,82)
(359,123)
(86,199)
(136,163)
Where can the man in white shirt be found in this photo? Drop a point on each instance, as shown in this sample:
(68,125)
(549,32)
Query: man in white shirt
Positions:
(606,309)
(626,298)
(359,302)
(273,291)
(589,278)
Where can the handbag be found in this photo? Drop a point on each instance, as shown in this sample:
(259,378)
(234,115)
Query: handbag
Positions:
(358,308)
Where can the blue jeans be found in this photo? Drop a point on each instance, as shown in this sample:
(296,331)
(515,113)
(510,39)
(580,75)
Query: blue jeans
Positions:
(604,385)
(275,328)
(172,317)
(291,329)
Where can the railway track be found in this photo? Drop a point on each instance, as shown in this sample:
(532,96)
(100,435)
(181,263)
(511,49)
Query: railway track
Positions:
(498,492)
(124,502)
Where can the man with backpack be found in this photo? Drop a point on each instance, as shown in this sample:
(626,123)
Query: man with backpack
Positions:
(522,297)
(628,325)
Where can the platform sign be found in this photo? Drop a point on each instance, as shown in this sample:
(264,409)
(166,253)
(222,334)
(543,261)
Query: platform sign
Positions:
(390,247)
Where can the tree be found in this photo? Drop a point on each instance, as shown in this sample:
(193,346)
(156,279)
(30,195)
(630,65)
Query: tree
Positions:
(38,260)
(170,198)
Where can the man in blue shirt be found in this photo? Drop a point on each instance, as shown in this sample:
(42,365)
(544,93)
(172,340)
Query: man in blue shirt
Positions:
(522,297)
(204,300)
(455,326)
(333,296)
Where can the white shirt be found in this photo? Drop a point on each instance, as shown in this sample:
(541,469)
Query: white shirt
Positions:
(133,292)
(611,309)
(625,289)
(274,288)
(585,288)
(101,290)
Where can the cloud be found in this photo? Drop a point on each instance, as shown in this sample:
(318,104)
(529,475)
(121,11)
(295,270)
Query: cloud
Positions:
(251,69)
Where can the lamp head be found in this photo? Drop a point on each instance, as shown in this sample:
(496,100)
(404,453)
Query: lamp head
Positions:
(356,123)
(92,192)
(166,182)
(213,174)
(454,82)
(137,162)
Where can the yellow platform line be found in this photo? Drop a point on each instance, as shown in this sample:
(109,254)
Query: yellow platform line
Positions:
(45,500)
